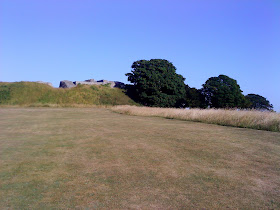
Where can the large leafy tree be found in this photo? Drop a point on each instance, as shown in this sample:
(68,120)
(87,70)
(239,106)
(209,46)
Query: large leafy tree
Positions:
(258,102)
(156,83)
(194,98)
(223,92)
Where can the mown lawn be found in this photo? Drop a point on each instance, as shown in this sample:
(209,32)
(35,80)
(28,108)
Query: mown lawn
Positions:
(94,158)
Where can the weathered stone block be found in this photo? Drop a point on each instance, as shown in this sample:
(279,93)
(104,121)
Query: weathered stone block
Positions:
(66,84)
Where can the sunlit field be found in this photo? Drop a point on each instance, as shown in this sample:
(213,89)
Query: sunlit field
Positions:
(263,120)
(87,158)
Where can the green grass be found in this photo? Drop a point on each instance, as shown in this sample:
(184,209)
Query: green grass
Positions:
(60,158)
(35,94)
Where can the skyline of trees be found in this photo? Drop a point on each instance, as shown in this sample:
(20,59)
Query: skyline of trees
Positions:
(156,83)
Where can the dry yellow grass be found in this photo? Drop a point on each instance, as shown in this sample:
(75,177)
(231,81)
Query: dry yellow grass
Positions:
(238,118)
(92,158)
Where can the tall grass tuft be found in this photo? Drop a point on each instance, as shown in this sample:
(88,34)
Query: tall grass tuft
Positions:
(254,119)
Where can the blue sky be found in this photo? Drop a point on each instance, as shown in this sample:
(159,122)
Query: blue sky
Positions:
(55,40)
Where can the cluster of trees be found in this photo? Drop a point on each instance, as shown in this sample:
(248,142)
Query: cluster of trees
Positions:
(156,83)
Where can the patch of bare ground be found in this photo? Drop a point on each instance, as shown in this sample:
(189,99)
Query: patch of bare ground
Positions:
(94,158)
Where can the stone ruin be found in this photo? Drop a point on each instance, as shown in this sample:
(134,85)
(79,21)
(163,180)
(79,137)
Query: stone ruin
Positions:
(70,84)
(66,84)
(46,83)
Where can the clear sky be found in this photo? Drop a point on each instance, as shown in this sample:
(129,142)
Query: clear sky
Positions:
(53,40)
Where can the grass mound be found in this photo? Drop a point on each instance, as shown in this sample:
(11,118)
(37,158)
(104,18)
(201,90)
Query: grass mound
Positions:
(35,94)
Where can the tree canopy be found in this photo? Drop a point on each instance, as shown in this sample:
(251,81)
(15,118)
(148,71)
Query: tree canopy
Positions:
(258,102)
(156,83)
(194,98)
(223,92)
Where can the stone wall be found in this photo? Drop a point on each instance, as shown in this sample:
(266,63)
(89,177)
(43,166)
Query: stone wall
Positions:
(69,84)
(66,84)
(46,83)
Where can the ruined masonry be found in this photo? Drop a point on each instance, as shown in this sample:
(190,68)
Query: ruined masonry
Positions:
(70,84)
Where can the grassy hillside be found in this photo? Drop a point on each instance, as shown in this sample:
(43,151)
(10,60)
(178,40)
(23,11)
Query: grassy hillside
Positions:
(31,93)
(81,158)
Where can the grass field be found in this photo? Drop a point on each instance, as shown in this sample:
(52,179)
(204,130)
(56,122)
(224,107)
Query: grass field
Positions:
(261,120)
(94,158)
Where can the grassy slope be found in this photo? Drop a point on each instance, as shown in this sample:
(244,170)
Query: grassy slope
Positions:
(29,93)
(93,158)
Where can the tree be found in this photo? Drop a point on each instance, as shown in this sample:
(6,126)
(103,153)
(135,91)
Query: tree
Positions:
(156,83)
(223,92)
(194,98)
(258,102)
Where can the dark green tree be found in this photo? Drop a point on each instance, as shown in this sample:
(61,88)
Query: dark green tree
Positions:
(258,102)
(223,92)
(194,98)
(156,83)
